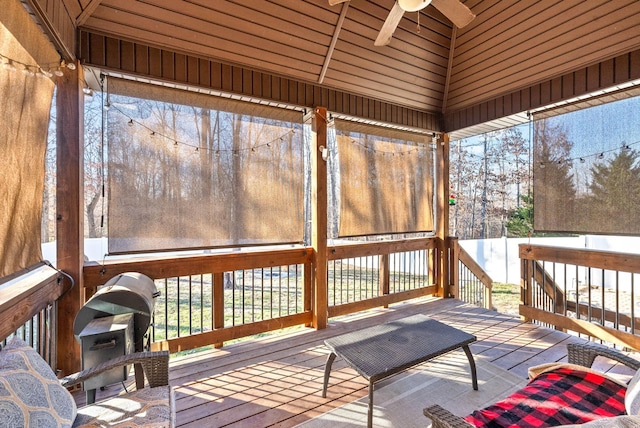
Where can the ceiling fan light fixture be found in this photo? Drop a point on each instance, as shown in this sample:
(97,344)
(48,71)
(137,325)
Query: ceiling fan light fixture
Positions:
(413,5)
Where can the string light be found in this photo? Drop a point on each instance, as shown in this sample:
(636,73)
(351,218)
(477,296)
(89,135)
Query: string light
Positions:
(48,70)
(7,64)
(371,149)
(236,152)
(176,143)
(600,155)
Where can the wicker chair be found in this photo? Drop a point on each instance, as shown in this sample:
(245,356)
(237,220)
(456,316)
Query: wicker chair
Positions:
(579,353)
(133,408)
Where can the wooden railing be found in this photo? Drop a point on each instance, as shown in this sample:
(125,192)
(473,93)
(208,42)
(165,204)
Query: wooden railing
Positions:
(471,283)
(27,308)
(213,298)
(367,275)
(589,292)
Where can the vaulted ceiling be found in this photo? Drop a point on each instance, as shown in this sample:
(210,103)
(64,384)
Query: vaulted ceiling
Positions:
(429,65)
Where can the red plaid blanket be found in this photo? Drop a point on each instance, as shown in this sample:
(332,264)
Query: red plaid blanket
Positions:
(558,397)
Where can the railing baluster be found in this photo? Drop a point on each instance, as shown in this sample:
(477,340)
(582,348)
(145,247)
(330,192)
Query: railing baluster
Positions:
(190,305)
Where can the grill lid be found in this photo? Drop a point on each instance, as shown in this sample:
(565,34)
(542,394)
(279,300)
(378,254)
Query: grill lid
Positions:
(130,292)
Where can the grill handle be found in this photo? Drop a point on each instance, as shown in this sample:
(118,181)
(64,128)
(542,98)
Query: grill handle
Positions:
(106,345)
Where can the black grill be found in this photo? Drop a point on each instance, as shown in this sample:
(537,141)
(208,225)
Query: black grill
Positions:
(114,321)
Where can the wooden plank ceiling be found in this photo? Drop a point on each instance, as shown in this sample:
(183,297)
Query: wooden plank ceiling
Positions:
(510,45)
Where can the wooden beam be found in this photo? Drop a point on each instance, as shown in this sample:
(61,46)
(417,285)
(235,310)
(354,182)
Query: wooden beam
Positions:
(87,12)
(447,81)
(442,213)
(319,216)
(56,30)
(69,208)
(334,40)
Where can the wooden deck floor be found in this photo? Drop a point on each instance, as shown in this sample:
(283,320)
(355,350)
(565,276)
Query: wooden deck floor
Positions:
(276,381)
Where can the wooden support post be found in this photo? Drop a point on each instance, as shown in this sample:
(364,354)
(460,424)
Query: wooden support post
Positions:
(70,209)
(307,293)
(526,285)
(385,274)
(454,270)
(218,303)
(442,214)
(319,216)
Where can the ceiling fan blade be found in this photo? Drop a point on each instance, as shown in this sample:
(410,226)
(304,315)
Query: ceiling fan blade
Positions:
(335,2)
(390,24)
(455,11)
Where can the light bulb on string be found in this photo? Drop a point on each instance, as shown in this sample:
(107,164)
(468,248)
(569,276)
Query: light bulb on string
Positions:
(26,70)
(69,65)
(8,65)
(46,73)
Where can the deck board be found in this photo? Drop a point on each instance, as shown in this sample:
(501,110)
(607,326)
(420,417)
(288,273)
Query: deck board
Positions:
(276,381)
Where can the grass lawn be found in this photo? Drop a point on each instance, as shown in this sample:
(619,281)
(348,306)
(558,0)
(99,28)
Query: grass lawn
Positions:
(505,297)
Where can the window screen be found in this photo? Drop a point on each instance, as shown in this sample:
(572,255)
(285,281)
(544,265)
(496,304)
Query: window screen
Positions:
(587,171)
(189,170)
(381,180)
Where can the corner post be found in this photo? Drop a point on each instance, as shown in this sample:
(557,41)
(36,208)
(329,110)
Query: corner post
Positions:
(442,214)
(69,210)
(319,216)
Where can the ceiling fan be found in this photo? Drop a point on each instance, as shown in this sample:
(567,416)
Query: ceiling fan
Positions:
(459,14)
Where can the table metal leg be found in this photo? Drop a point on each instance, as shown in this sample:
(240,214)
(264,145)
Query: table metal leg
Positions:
(327,370)
(472,364)
(370,415)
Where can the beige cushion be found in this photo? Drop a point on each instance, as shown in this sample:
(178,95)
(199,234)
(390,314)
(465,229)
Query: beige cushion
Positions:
(30,393)
(147,407)
(547,367)
(632,397)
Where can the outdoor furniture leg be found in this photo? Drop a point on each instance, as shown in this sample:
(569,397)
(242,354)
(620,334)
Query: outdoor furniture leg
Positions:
(472,364)
(327,370)
(370,415)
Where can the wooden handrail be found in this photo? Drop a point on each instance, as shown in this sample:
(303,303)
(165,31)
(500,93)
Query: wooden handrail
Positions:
(475,268)
(533,272)
(27,293)
(96,274)
(599,259)
(477,271)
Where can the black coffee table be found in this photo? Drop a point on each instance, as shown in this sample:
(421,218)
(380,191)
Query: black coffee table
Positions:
(386,349)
